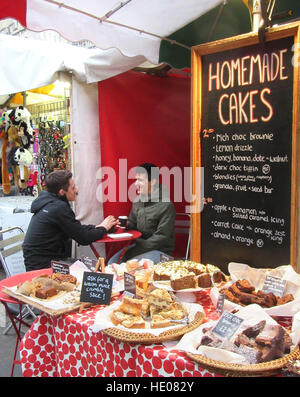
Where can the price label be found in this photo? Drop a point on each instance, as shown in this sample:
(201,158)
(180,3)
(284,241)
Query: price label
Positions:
(275,285)
(90,263)
(165,258)
(227,325)
(220,303)
(129,284)
(96,288)
(60,267)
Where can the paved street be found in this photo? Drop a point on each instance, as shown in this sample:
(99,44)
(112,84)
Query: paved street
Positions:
(7,343)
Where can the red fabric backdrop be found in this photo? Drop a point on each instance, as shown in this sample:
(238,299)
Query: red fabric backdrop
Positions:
(13,9)
(143,118)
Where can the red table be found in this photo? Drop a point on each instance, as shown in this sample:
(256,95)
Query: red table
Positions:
(108,240)
(5,300)
(65,346)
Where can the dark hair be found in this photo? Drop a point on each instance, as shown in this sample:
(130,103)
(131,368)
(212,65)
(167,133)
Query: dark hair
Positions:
(57,180)
(150,169)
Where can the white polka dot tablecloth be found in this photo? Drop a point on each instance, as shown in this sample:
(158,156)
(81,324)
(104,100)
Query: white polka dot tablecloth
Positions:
(65,346)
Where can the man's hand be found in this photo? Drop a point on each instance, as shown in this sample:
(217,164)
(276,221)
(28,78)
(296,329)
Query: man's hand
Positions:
(109,222)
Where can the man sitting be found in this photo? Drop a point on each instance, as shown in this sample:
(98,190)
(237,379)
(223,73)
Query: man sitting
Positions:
(153,214)
(53,224)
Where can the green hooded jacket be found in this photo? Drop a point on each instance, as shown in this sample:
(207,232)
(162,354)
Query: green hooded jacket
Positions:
(154,217)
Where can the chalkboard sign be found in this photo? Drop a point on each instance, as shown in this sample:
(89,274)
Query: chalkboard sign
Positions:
(245,138)
(227,325)
(60,267)
(89,263)
(220,303)
(96,288)
(275,285)
(129,284)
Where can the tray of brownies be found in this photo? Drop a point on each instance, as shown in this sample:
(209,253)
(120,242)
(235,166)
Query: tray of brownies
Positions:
(277,290)
(248,343)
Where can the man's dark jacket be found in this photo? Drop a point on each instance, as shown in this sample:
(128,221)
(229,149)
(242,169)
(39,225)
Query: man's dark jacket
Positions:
(52,225)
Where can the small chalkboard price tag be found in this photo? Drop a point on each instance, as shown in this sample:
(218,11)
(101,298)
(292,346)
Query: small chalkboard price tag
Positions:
(60,267)
(165,258)
(220,303)
(90,263)
(129,284)
(96,288)
(275,285)
(227,325)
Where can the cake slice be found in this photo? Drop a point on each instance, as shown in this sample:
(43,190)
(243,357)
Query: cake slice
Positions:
(159,321)
(160,299)
(183,281)
(131,305)
(127,320)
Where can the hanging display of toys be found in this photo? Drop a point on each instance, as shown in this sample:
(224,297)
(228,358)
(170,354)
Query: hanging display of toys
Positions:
(52,150)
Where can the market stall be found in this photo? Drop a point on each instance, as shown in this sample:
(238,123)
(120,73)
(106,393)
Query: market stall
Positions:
(94,325)
(248,322)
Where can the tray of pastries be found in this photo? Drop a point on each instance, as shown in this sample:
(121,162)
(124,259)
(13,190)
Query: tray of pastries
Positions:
(55,293)
(158,317)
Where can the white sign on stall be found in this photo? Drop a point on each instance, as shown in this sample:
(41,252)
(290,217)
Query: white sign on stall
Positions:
(15,262)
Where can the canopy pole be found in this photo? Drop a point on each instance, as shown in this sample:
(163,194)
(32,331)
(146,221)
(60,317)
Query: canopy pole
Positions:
(257,15)
(121,25)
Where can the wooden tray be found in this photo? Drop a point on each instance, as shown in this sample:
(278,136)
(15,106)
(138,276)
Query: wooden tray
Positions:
(148,338)
(40,306)
(46,309)
(269,368)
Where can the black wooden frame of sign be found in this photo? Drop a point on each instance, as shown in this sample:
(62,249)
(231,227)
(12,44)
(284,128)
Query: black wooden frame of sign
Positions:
(245,101)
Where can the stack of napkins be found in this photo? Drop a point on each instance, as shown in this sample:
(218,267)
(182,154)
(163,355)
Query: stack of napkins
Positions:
(119,235)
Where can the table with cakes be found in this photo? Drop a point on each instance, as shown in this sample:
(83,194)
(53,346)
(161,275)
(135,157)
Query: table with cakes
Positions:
(177,318)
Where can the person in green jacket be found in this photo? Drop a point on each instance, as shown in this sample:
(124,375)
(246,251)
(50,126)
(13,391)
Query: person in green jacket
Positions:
(153,214)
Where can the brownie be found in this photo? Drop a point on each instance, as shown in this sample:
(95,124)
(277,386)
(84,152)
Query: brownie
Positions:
(285,299)
(218,277)
(254,330)
(270,335)
(45,292)
(244,286)
(229,295)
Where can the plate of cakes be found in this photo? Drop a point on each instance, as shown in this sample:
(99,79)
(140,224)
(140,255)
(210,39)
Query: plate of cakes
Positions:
(158,316)
(187,275)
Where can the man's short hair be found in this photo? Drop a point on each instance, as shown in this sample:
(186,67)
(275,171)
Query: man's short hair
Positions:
(150,169)
(57,180)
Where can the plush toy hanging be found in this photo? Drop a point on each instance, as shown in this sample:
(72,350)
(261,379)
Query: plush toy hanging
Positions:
(6,188)
(20,137)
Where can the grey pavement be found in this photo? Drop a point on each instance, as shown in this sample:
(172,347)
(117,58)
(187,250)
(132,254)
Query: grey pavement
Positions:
(8,341)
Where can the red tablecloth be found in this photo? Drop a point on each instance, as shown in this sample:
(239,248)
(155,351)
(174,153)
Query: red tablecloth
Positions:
(66,346)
